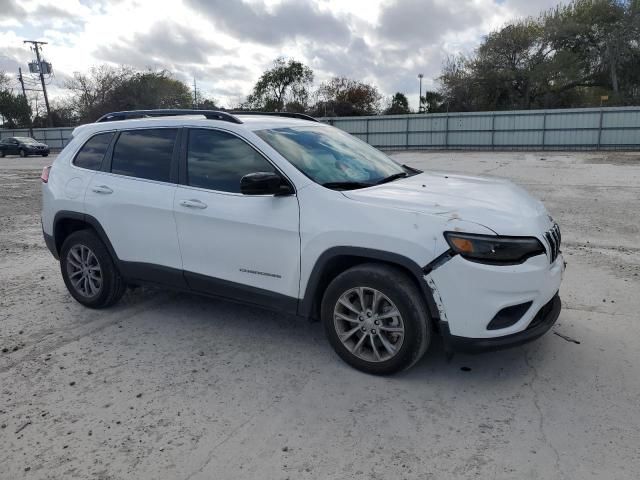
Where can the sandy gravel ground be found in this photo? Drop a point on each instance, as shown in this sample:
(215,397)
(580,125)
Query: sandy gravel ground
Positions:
(169,385)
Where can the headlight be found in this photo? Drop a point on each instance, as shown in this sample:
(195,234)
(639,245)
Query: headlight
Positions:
(493,249)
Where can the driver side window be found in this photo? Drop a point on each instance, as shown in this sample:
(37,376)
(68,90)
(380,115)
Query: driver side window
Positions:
(217,160)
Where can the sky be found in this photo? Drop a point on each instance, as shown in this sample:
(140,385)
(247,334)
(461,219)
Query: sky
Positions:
(227,44)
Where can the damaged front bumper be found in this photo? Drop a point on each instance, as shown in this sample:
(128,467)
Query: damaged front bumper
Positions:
(541,323)
(469,296)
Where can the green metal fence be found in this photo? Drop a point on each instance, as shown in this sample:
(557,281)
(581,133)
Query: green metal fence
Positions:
(56,138)
(616,128)
(567,129)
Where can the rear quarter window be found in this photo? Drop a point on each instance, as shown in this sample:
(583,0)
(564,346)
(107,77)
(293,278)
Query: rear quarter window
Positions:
(92,153)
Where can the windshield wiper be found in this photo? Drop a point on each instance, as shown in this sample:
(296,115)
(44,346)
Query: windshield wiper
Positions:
(393,177)
(346,185)
(411,170)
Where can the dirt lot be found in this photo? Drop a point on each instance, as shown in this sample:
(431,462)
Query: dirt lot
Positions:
(169,385)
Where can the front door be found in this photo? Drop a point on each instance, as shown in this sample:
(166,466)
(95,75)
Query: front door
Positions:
(245,247)
(13,148)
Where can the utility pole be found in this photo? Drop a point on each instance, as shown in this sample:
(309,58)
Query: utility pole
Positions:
(36,45)
(24,93)
(195,94)
(420,76)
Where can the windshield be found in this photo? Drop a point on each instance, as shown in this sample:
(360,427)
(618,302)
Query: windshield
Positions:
(331,157)
(26,140)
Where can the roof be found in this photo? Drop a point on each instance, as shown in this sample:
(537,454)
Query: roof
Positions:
(250,122)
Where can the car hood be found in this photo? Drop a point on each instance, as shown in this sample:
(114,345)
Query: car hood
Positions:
(497,204)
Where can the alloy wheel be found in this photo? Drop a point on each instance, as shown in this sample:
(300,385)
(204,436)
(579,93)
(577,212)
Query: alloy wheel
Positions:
(84,271)
(368,324)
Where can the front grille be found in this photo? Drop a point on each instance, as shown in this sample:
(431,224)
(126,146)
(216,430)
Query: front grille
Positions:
(553,239)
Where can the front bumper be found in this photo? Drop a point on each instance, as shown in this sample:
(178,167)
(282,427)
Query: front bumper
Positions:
(469,295)
(38,151)
(541,323)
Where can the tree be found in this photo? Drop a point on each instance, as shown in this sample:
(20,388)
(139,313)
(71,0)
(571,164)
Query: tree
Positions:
(147,90)
(92,92)
(398,105)
(598,39)
(4,81)
(345,97)
(569,56)
(106,89)
(14,108)
(432,101)
(207,104)
(62,115)
(285,86)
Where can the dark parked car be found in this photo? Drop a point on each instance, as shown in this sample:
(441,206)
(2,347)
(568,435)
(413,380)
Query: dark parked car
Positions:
(23,146)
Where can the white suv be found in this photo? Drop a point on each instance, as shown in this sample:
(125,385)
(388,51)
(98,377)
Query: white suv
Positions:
(288,213)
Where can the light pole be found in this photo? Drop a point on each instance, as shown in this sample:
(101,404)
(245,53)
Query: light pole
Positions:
(420,75)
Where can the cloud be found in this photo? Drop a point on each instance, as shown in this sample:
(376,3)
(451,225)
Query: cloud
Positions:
(227,44)
(11,9)
(420,22)
(288,20)
(167,43)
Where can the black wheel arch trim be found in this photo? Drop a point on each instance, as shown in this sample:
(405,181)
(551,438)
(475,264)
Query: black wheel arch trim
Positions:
(89,220)
(307,304)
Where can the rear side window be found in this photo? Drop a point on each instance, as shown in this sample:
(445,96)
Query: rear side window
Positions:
(218,160)
(145,153)
(91,154)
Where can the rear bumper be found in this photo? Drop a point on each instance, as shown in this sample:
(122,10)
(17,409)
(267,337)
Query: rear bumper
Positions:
(541,323)
(51,244)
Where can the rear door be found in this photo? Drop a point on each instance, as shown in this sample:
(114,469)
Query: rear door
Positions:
(132,199)
(245,247)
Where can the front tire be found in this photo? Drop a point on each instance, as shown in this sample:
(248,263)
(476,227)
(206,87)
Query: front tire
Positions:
(376,319)
(45,154)
(23,153)
(89,271)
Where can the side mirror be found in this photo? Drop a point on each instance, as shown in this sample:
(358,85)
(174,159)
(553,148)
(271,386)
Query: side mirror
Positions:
(264,183)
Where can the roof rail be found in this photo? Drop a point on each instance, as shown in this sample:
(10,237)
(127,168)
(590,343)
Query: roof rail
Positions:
(168,112)
(301,116)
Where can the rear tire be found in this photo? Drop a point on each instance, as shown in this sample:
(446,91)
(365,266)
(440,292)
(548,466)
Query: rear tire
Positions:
(376,319)
(89,271)
(2,154)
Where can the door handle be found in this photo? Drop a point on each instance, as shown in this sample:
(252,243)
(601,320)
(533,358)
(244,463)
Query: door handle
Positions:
(193,203)
(102,189)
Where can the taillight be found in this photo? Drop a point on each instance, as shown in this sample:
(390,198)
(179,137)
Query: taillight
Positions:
(45,174)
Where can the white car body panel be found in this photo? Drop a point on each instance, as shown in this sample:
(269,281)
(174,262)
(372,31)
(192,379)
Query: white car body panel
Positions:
(245,239)
(504,207)
(138,217)
(66,186)
(329,218)
(274,243)
(487,289)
